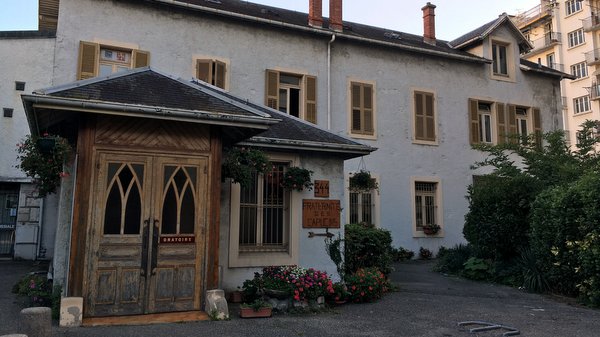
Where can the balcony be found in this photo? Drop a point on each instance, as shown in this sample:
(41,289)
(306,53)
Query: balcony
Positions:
(595,91)
(548,40)
(557,66)
(534,14)
(592,57)
(591,23)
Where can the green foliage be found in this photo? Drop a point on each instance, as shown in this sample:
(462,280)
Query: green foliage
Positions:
(241,164)
(497,223)
(534,279)
(335,249)
(366,246)
(477,269)
(402,254)
(425,254)
(45,166)
(256,305)
(297,178)
(366,285)
(363,181)
(39,292)
(452,260)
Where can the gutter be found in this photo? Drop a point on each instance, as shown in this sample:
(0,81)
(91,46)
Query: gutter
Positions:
(358,149)
(123,109)
(561,76)
(322,32)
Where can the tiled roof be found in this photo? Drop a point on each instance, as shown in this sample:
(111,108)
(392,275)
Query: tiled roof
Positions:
(474,34)
(478,34)
(535,67)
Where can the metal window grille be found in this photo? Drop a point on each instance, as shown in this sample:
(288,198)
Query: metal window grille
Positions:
(264,212)
(425,204)
(362,205)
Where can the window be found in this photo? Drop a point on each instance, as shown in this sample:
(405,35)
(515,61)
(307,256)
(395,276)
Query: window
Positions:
(484,112)
(424,117)
(427,208)
(550,61)
(100,60)
(579,70)
(261,231)
(573,6)
(362,118)
(212,71)
(576,38)
(499,59)
(522,123)
(293,94)
(8,112)
(363,206)
(581,104)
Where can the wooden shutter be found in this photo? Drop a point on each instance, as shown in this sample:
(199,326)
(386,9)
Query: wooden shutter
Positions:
(368,108)
(355,93)
(141,58)
(473,122)
(419,116)
(501,123)
(537,126)
(88,60)
(512,124)
(204,70)
(220,73)
(310,112)
(272,89)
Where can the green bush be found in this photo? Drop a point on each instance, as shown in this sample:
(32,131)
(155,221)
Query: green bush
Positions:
(496,225)
(452,260)
(402,254)
(367,246)
(39,292)
(477,269)
(366,285)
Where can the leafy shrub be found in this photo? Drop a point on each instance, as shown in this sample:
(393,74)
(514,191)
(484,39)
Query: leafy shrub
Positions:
(496,225)
(367,246)
(452,260)
(402,254)
(534,279)
(366,285)
(297,178)
(477,269)
(39,292)
(425,254)
(240,164)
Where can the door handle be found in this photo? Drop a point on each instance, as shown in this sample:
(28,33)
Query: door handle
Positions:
(144,265)
(155,236)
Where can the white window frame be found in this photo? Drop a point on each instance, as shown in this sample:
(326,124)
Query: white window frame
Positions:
(498,62)
(573,6)
(259,258)
(287,87)
(524,123)
(439,213)
(576,38)
(581,104)
(579,70)
(375,199)
(115,64)
(551,60)
(486,116)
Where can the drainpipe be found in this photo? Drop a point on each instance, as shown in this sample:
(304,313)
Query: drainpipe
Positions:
(329,81)
(39,230)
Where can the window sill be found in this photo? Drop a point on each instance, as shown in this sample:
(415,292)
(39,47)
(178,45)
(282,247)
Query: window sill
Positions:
(261,259)
(362,136)
(583,113)
(425,142)
(580,79)
(503,78)
(573,47)
(420,234)
(573,14)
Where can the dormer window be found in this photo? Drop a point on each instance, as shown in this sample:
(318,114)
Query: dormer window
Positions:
(504,60)
(499,59)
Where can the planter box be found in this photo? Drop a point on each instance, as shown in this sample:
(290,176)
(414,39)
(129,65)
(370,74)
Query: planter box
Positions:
(251,313)
(236,297)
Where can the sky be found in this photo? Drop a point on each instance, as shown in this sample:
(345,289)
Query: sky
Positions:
(453,17)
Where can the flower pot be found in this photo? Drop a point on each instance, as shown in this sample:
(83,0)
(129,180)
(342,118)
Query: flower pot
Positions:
(251,313)
(236,297)
(46,145)
(429,231)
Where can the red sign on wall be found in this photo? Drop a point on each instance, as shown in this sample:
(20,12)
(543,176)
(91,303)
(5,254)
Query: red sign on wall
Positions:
(320,213)
(177,239)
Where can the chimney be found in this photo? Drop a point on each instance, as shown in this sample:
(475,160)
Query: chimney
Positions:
(335,15)
(429,23)
(315,13)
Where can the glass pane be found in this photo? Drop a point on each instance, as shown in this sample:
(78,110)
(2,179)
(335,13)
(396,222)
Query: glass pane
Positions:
(138,169)
(294,108)
(248,194)
(283,100)
(169,170)
(418,210)
(133,211)
(248,225)
(289,79)
(105,70)
(169,212)
(180,179)
(192,172)
(188,212)
(112,211)
(273,225)
(354,208)
(367,214)
(125,176)
(112,170)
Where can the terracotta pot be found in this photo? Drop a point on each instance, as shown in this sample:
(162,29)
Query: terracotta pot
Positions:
(429,231)
(251,313)
(236,297)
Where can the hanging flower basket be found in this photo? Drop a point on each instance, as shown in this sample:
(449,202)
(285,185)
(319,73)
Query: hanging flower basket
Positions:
(240,164)
(43,159)
(431,229)
(297,178)
(362,181)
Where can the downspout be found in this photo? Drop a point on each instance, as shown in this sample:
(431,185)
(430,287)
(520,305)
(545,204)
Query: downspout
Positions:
(329,81)
(39,230)
(70,230)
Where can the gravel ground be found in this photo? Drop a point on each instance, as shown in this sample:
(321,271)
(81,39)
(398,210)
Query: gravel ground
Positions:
(426,304)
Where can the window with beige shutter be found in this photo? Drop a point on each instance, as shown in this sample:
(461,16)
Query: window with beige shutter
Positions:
(293,94)
(361,112)
(212,71)
(424,117)
(102,60)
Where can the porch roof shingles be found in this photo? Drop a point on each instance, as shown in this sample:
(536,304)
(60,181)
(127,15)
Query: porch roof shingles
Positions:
(152,89)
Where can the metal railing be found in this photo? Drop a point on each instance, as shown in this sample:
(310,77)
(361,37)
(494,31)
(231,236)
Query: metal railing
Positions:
(591,23)
(547,40)
(533,14)
(592,57)
(557,66)
(595,91)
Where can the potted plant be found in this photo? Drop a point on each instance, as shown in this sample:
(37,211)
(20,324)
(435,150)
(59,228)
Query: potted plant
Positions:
(236,296)
(362,181)
(44,162)
(240,164)
(340,294)
(258,308)
(297,178)
(431,229)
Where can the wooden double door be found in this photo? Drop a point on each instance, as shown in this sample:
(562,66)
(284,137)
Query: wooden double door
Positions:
(148,234)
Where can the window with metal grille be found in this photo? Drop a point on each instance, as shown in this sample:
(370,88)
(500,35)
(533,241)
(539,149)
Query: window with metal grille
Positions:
(362,206)
(264,213)
(425,203)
